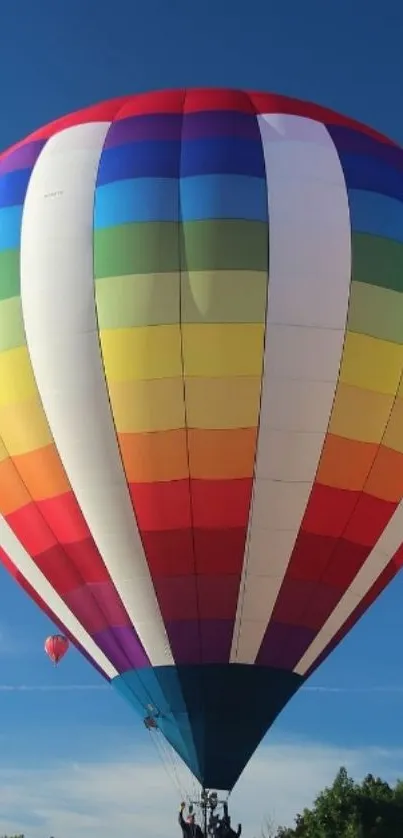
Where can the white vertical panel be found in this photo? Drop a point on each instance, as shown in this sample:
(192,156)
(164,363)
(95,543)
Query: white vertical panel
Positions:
(57,291)
(376,562)
(309,284)
(31,573)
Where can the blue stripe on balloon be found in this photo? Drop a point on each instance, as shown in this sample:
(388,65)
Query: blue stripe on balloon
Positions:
(10,227)
(142,688)
(222,155)
(157,199)
(13,187)
(138,199)
(169,159)
(377,215)
(372,174)
(351,141)
(223,196)
(139,159)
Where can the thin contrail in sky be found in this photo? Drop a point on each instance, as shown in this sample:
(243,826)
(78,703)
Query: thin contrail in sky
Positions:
(368,689)
(12,688)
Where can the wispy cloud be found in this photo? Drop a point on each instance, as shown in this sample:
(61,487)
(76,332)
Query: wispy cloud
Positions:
(50,688)
(116,797)
(392,688)
(7,688)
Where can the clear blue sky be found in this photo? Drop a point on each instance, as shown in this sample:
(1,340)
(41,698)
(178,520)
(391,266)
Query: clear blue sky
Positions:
(58,56)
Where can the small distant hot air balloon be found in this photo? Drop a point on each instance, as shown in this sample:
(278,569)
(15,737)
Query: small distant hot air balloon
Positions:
(56,647)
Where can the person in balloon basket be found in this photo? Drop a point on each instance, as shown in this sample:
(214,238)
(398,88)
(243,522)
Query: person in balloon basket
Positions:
(224,828)
(190,829)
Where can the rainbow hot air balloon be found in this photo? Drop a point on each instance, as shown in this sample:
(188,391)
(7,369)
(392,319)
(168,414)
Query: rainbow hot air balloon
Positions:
(201,405)
(56,647)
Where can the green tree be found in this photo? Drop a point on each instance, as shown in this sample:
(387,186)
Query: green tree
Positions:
(347,809)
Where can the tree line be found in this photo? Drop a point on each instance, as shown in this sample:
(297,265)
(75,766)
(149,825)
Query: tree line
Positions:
(348,809)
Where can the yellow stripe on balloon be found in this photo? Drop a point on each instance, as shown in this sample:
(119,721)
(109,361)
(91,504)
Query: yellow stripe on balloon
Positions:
(371,364)
(24,426)
(141,353)
(223,350)
(17,382)
(394,432)
(140,406)
(360,414)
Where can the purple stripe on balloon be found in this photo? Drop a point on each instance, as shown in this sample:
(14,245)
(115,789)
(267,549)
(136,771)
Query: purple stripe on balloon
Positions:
(200,641)
(351,141)
(122,647)
(178,127)
(220,124)
(184,639)
(283,645)
(23,157)
(216,638)
(141,128)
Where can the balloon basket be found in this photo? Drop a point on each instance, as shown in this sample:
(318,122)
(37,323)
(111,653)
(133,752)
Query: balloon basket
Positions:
(209,805)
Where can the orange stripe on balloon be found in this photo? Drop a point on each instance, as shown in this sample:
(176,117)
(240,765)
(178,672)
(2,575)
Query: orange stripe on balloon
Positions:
(345,463)
(13,493)
(42,473)
(386,478)
(222,454)
(162,456)
(154,457)
(36,476)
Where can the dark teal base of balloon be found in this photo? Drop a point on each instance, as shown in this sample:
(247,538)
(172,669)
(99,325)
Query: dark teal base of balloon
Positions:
(214,715)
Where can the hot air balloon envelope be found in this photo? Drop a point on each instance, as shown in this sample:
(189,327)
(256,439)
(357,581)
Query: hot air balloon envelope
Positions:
(200,397)
(56,647)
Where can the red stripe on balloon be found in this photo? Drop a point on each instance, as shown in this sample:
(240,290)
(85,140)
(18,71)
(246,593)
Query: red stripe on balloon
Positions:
(171,101)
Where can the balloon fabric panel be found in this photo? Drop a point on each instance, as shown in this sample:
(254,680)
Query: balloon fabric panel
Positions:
(198,497)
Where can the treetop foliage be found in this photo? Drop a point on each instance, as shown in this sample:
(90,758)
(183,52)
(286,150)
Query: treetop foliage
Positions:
(348,809)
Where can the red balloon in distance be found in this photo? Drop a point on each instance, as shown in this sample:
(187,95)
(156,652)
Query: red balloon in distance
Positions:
(56,647)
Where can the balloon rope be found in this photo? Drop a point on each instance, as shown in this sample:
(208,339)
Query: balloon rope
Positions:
(158,740)
(175,763)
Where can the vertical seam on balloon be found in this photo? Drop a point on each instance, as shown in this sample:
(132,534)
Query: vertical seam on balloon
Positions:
(245,567)
(181,237)
(306,606)
(22,481)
